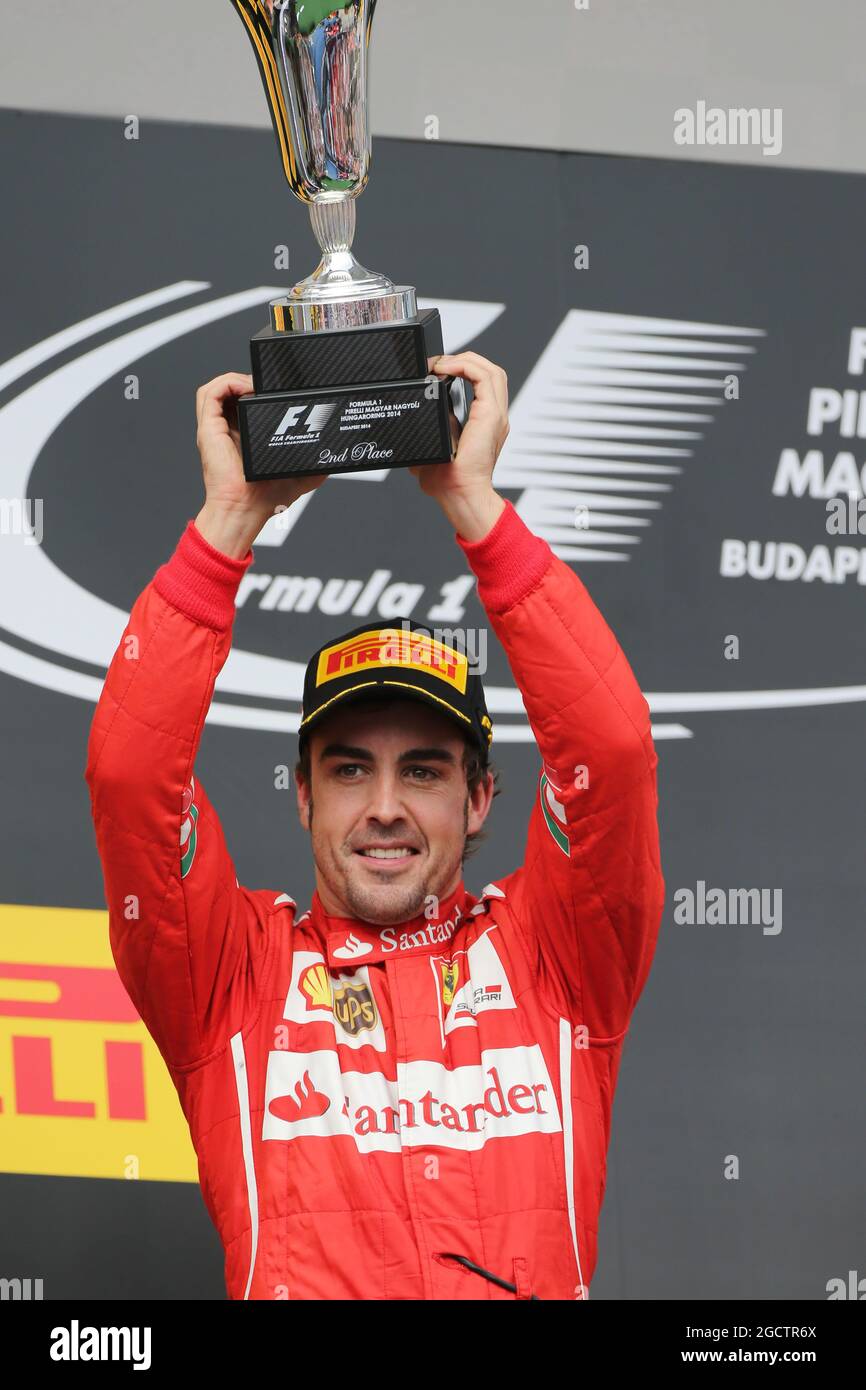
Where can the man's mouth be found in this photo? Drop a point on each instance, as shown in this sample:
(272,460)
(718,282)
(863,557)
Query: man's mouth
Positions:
(387,854)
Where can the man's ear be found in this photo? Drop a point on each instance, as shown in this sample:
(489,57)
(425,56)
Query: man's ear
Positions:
(480,803)
(302,791)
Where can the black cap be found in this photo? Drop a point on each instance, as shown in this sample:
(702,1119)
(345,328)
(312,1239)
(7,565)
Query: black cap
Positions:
(403,662)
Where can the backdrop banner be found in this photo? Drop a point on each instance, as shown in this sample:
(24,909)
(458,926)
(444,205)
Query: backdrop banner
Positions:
(686,348)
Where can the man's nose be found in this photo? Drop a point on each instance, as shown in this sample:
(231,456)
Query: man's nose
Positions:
(386,797)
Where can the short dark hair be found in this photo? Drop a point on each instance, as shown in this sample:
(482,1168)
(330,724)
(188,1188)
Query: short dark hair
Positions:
(476,766)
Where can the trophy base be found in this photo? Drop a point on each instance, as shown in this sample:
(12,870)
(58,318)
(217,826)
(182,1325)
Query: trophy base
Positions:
(346,429)
(348,400)
(391,351)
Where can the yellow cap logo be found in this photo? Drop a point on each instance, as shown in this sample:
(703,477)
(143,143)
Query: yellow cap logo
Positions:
(392,647)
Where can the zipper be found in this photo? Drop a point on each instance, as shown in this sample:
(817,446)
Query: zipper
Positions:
(518,1291)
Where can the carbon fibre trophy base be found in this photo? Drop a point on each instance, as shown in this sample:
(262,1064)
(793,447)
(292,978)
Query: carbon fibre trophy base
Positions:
(347,400)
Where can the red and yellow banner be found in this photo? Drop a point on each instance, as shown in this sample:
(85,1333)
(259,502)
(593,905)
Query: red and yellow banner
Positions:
(83,1090)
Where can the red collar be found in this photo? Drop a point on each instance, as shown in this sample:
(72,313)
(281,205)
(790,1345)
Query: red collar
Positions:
(350,941)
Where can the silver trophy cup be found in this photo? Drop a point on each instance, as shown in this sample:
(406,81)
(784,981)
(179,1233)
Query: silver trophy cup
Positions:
(341,374)
(314,59)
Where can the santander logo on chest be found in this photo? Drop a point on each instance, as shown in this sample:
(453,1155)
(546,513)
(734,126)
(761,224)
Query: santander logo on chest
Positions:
(365,943)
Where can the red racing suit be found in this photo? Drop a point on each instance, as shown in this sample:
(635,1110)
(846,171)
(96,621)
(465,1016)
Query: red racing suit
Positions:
(379,1113)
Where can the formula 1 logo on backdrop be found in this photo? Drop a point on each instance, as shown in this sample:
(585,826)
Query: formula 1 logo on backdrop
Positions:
(607,422)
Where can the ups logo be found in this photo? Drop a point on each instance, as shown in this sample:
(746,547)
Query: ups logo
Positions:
(354,1006)
(351,1000)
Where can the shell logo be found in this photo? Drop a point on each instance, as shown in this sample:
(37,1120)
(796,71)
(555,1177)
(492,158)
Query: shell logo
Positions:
(315,982)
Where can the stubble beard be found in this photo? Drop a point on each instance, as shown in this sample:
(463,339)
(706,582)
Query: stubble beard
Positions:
(403,901)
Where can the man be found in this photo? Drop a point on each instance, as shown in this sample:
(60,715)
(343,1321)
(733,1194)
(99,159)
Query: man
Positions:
(405,1091)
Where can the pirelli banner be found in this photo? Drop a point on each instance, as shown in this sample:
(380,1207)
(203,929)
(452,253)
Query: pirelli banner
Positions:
(86,1090)
(686,353)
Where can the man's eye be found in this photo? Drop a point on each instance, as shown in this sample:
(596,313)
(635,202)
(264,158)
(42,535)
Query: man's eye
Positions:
(345,771)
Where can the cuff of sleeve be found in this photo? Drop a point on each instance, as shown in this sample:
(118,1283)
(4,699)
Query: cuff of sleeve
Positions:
(201,581)
(508,562)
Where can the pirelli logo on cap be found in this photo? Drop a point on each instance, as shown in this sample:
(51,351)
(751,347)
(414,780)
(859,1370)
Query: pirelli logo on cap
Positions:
(392,647)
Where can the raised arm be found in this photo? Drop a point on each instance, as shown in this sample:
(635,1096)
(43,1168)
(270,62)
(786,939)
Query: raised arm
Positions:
(189,943)
(589,894)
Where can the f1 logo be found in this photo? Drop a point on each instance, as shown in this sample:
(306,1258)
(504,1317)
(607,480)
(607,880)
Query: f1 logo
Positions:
(318,417)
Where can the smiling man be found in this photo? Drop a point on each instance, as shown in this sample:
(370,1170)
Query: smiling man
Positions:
(405,1091)
(400,786)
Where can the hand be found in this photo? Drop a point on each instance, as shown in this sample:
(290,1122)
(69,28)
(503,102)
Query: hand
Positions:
(235,510)
(464,486)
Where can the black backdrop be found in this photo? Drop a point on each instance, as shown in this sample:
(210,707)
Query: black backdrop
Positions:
(747,1042)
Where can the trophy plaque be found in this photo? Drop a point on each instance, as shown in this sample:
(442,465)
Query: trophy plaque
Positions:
(340,373)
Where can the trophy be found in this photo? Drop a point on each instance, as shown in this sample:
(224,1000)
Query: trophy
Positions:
(340,373)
